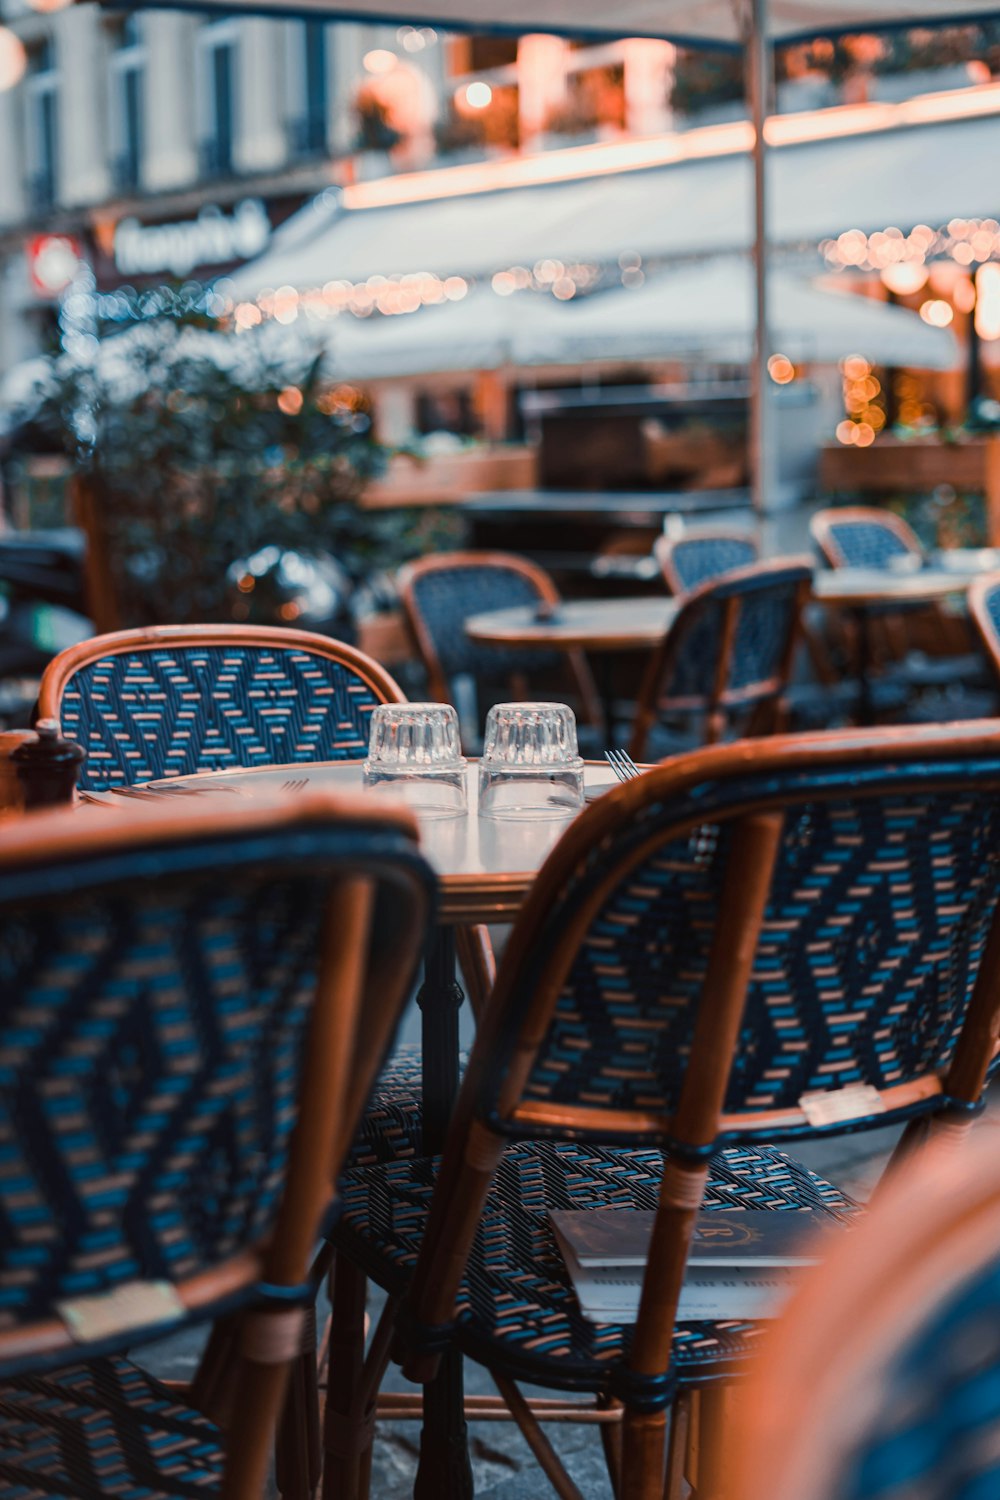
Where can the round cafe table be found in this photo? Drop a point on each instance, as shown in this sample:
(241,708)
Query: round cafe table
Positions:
(865,592)
(587,624)
(485,867)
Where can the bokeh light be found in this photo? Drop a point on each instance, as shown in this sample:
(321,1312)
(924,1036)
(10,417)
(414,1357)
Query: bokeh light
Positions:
(478,95)
(13,59)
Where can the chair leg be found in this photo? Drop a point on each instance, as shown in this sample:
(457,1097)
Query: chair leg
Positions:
(677,1486)
(714,1425)
(298,1452)
(343,1446)
(537,1440)
(643,1454)
(611,1442)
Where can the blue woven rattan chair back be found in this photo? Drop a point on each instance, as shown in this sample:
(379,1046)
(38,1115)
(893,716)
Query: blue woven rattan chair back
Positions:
(769,602)
(868,543)
(179,708)
(445,597)
(697,559)
(881,901)
(155,1001)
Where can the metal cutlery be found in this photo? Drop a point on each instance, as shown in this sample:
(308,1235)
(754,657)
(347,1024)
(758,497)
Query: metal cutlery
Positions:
(622,764)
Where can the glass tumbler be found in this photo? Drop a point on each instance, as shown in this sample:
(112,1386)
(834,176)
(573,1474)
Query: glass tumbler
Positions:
(530,766)
(414,753)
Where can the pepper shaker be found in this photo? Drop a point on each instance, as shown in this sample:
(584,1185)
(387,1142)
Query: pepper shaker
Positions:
(48,766)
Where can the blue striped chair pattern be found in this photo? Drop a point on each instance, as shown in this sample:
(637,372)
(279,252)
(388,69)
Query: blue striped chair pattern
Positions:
(174,710)
(693,560)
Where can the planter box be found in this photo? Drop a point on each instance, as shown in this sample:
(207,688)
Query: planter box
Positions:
(449,478)
(385,637)
(917,467)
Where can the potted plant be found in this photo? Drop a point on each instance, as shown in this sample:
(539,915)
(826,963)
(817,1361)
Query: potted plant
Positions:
(194,449)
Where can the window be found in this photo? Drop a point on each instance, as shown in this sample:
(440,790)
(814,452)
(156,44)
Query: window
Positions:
(128,60)
(217,45)
(309,89)
(41,93)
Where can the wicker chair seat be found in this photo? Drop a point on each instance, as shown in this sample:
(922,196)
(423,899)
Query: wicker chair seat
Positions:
(517,1308)
(104,1429)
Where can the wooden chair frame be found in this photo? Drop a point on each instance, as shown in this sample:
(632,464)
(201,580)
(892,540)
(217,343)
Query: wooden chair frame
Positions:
(699,1124)
(665,548)
(718,700)
(156,637)
(822,1371)
(442,562)
(357,1003)
(822,523)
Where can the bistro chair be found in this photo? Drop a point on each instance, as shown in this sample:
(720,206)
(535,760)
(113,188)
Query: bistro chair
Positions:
(178,699)
(863,536)
(195,1007)
(727,655)
(439,593)
(761,942)
(871,537)
(174,700)
(882,1379)
(702,554)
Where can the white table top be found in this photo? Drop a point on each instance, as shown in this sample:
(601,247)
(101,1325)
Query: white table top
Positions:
(592,624)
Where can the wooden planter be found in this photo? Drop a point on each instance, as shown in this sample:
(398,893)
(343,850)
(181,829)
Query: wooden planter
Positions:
(892,466)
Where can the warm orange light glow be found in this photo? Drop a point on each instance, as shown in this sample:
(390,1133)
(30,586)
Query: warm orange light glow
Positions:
(13,59)
(988,301)
(661,150)
(290,401)
(478,95)
(379,60)
(855,367)
(937,313)
(846,432)
(905,277)
(781,369)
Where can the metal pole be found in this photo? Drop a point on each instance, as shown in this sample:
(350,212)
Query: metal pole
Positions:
(762,455)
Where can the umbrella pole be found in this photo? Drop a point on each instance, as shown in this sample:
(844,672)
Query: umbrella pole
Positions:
(762,453)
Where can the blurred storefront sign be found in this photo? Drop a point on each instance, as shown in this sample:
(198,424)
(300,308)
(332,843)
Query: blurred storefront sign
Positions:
(141,251)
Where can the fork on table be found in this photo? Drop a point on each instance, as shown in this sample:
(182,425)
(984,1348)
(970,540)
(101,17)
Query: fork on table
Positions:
(622,764)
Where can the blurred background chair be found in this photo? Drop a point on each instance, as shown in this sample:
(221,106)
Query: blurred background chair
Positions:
(438,595)
(727,657)
(882,1379)
(717,956)
(195,1007)
(702,554)
(174,700)
(920,658)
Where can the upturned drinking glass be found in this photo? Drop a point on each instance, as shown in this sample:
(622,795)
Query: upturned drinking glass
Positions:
(414,752)
(530,765)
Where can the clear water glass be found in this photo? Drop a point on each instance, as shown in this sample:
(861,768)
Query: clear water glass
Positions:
(530,765)
(415,754)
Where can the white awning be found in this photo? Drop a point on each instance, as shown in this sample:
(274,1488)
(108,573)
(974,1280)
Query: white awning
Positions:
(703,312)
(723,22)
(922,174)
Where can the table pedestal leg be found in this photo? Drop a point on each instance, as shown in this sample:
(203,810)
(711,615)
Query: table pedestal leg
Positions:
(444,1468)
